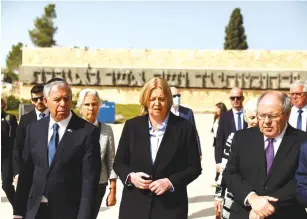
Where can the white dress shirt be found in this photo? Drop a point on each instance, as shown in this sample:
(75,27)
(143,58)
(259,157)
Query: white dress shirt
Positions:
(235,116)
(294,114)
(175,110)
(276,144)
(46,112)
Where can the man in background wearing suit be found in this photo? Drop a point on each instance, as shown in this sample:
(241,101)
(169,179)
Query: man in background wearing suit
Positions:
(261,169)
(230,121)
(184,112)
(40,111)
(298,94)
(61,162)
(301,176)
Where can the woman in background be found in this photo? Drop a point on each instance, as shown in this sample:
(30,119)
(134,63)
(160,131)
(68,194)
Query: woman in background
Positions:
(88,103)
(219,109)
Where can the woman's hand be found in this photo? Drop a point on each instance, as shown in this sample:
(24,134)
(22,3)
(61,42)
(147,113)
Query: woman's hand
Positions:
(111,199)
(218,205)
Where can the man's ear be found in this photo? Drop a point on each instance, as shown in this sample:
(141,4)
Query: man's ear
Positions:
(45,100)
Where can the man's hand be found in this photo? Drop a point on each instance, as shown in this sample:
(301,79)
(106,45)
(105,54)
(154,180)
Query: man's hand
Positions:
(261,206)
(160,186)
(218,205)
(138,181)
(218,167)
(253,215)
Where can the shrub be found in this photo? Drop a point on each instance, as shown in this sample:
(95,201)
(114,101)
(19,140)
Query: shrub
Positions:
(12,102)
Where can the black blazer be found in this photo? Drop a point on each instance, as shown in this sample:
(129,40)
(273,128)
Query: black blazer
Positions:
(25,120)
(8,134)
(71,181)
(188,114)
(246,172)
(177,159)
(227,125)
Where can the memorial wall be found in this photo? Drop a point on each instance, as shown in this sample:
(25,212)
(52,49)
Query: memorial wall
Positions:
(204,76)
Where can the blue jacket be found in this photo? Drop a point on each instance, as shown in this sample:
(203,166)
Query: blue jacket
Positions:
(301,176)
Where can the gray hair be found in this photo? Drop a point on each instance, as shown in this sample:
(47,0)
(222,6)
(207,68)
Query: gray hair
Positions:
(300,83)
(48,87)
(85,92)
(251,106)
(284,99)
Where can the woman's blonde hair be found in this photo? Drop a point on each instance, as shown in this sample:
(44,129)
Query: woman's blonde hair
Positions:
(149,86)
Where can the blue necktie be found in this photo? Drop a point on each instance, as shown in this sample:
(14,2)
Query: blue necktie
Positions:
(299,120)
(239,121)
(53,143)
(42,115)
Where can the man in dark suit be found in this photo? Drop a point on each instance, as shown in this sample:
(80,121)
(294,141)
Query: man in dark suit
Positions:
(61,162)
(261,169)
(301,176)
(184,112)
(38,113)
(8,133)
(230,121)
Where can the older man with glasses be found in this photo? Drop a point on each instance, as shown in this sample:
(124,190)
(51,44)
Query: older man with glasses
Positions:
(298,94)
(230,122)
(40,111)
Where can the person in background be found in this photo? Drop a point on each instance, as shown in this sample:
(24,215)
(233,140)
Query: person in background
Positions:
(8,134)
(220,108)
(88,103)
(40,111)
(298,115)
(301,176)
(222,195)
(184,112)
(156,172)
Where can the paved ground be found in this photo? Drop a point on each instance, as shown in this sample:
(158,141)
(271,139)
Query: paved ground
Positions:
(199,191)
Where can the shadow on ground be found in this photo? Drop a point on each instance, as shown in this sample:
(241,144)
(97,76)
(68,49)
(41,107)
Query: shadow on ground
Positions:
(203,213)
(203,198)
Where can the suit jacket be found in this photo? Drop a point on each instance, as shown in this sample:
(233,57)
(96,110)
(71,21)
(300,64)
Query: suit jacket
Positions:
(301,176)
(177,159)
(25,120)
(71,181)
(187,113)
(227,125)
(246,172)
(107,153)
(8,134)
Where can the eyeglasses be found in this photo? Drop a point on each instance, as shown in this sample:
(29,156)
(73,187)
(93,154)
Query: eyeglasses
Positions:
(236,98)
(176,95)
(35,99)
(297,94)
(270,117)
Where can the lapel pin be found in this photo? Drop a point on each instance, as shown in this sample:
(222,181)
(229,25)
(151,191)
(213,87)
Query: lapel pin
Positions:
(69,130)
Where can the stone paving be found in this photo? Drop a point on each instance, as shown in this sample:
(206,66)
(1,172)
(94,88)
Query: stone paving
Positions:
(200,191)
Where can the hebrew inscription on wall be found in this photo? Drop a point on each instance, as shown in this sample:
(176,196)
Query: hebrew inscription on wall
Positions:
(188,78)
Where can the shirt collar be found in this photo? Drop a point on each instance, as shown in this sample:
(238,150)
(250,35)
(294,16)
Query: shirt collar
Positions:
(163,125)
(96,123)
(235,111)
(280,136)
(46,112)
(63,123)
(295,109)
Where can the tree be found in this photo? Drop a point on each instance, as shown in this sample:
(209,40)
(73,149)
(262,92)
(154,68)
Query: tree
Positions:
(13,61)
(235,33)
(44,29)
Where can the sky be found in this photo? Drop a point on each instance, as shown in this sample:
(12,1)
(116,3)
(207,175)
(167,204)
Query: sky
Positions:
(158,25)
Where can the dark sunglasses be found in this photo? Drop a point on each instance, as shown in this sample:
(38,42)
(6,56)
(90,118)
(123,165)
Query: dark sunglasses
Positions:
(238,98)
(35,99)
(176,95)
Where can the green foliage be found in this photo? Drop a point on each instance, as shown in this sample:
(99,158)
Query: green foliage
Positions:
(44,29)
(12,102)
(14,58)
(235,38)
(10,77)
(128,111)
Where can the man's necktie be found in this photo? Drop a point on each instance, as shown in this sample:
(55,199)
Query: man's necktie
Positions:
(239,121)
(299,119)
(42,115)
(53,143)
(269,152)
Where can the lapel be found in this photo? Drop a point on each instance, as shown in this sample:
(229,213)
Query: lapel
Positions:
(143,148)
(244,124)
(232,121)
(166,149)
(181,114)
(258,153)
(66,139)
(287,141)
(33,116)
(43,140)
